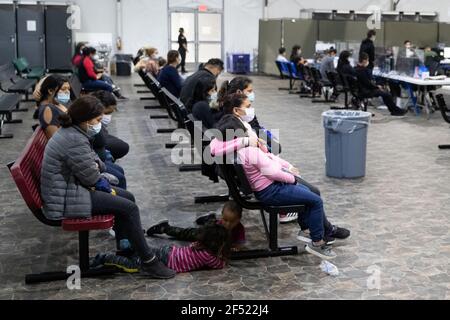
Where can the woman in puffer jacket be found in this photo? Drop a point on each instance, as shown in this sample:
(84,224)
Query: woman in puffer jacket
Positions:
(72,186)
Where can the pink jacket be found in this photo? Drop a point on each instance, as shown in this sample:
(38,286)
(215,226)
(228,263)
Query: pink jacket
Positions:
(220,148)
(263,169)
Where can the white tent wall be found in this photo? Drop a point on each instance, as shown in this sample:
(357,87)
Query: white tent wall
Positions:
(144,23)
(242,25)
(291,8)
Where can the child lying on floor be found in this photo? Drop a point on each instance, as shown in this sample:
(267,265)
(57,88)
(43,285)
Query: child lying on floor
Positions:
(231,220)
(210,250)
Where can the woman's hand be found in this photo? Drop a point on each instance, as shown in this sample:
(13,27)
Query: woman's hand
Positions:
(263,146)
(252,142)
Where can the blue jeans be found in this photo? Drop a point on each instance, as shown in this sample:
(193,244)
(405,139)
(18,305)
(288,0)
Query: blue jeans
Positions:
(282,194)
(94,85)
(118,172)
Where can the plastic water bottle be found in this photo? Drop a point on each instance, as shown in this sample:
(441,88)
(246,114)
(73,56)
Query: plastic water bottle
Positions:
(329,268)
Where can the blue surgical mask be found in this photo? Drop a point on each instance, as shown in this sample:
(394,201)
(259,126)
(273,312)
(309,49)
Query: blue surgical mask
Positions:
(213,97)
(93,130)
(106,119)
(63,97)
(251,97)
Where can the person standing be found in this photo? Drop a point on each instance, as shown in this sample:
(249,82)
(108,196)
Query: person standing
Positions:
(182,49)
(368,46)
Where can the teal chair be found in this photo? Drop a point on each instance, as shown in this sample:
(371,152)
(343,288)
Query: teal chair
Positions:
(23,68)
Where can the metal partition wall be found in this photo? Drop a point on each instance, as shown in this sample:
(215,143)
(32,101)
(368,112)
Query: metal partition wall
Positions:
(347,31)
(58,38)
(444,33)
(302,32)
(31,34)
(421,34)
(270,35)
(7,33)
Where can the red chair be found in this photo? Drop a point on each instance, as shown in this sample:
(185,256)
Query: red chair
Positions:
(26,172)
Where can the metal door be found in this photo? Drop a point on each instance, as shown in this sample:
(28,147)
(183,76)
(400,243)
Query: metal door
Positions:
(30,34)
(58,38)
(7,33)
(203,31)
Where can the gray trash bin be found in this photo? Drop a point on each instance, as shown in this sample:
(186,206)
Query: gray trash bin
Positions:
(346,143)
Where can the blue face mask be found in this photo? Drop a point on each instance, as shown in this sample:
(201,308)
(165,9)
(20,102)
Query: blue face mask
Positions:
(63,97)
(251,97)
(213,97)
(94,130)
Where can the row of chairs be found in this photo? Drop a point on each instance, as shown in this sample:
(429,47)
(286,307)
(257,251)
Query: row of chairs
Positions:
(26,172)
(312,78)
(16,80)
(233,174)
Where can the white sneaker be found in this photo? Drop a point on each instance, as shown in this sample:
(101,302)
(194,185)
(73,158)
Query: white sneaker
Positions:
(289,217)
(112,233)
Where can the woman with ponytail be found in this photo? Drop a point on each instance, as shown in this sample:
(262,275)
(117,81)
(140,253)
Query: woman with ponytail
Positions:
(244,85)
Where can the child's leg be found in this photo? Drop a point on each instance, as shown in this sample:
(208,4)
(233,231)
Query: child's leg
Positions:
(162,253)
(182,234)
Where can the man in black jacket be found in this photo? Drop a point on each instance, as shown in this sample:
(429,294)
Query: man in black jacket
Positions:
(211,69)
(368,47)
(370,90)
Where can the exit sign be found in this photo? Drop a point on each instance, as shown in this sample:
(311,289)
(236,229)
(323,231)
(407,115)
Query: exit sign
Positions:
(202,8)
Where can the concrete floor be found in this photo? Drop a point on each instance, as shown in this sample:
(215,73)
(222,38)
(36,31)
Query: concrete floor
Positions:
(398,214)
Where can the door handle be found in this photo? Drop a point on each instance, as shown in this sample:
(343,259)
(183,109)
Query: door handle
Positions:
(13,39)
(41,39)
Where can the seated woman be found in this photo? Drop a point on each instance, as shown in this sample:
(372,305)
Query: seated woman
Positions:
(245,85)
(169,77)
(149,61)
(78,55)
(204,98)
(54,95)
(100,140)
(89,78)
(219,148)
(72,187)
(116,147)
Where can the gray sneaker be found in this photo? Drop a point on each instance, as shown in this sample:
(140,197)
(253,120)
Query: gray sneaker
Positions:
(305,237)
(323,252)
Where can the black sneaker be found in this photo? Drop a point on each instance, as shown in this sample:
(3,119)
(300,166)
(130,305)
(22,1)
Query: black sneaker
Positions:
(157,270)
(340,233)
(158,228)
(204,219)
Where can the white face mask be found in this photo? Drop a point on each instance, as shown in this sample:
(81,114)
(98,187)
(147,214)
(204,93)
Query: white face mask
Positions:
(106,119)
(249,115)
